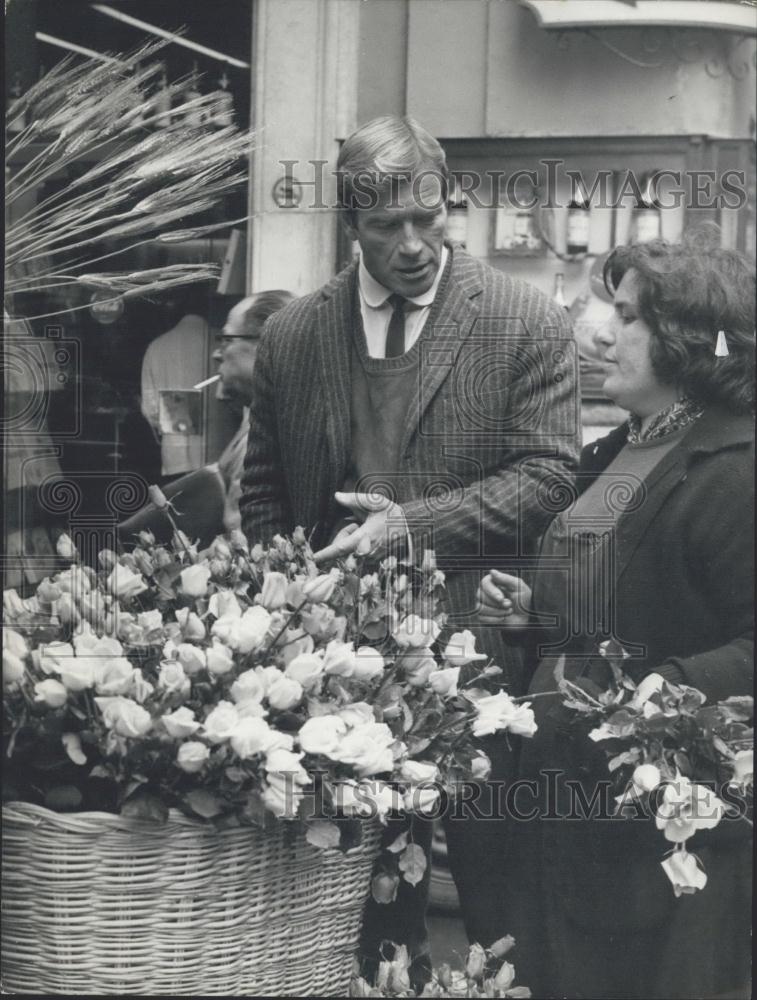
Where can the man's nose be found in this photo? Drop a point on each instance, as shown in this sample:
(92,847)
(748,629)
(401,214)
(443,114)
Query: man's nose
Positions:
(410,241)
(218,354)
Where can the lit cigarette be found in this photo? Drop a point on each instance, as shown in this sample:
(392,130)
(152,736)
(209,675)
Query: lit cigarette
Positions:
(207,381)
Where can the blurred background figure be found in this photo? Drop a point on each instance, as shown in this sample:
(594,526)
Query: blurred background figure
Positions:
(237,346)
(175,361)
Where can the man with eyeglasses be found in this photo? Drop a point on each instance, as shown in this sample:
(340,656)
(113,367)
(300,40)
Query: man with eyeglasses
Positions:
(236,347)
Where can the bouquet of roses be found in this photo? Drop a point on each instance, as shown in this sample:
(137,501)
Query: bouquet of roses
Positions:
(242,685)
(669,750)
(485,973)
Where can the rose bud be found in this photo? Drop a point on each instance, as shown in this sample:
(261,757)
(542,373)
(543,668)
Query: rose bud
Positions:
(66,548)
(107,559)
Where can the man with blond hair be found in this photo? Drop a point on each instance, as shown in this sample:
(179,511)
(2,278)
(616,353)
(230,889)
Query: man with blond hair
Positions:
(418,395)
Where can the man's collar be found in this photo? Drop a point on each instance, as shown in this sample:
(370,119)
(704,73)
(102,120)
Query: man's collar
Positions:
(375,294)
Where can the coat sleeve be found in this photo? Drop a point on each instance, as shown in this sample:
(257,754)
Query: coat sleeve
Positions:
(720,537)
(510,508)
(263,505)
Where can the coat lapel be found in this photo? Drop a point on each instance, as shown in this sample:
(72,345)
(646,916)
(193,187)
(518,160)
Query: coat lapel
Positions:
(334,351)
(443,335)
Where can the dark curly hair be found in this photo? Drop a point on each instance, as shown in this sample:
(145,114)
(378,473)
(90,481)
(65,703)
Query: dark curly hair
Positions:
(687,292)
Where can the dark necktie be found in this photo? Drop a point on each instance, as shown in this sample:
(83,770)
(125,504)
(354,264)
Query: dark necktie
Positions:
(395,335)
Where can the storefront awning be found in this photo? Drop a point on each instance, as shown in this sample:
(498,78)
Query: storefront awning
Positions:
(720,15)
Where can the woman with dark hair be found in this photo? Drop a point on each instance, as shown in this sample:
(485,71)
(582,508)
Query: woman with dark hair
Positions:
(656,553)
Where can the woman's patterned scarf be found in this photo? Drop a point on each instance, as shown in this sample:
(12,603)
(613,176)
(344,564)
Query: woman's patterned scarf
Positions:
(673,418)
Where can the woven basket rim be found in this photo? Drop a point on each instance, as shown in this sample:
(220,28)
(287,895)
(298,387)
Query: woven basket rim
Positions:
(29,814)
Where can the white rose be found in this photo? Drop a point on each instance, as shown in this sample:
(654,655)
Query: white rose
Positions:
(52,654)
(274,591)
(499,711)
(141,688)
(281,796)
(461,649)
(224,604)
(650,685)
(219,659)
(221,723)
(66,611)
(646,777)
(351,799)
(444,681)
(51,693)
(194,580)
(321,734)
(247,687)
(125,584)
(192,756)
(320,589)
(13,668)
(306,669)
(743,768)
(114,676)
(77,673)
(385,799)
(13,605)
(65,548)
(294,643)
(251,630)
(685,808)
(15,643)
(181,723)
(281,761)
(416,632)
(124,716)
(319,620)
(418,665)
(251,737)
(251,710)
(191,625)
(284,693)
(191,658)
(356,713)
(172,679)
(417,771)
(421,800)
(368,747)
(73,581)
(369,663)
(268,676)
(150,621)
(339,658)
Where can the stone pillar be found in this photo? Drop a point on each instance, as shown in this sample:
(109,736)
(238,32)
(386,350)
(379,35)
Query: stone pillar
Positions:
(304,100)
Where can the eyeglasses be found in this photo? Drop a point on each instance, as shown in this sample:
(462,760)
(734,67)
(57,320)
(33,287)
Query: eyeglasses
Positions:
(224,339)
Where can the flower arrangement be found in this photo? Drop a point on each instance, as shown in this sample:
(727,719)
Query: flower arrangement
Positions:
(485,973)
(662,743)
(243,685)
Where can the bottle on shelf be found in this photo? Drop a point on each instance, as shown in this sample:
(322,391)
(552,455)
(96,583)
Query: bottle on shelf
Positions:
(224,113)
(194,115)
(558,295)
(579,215)
(646,222)
(457,214)
(162,103)
(16,123)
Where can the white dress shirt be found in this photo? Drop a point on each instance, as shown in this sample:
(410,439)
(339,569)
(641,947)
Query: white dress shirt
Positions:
(377,312)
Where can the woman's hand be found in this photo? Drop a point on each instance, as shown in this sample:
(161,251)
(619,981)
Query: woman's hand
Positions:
(503,600)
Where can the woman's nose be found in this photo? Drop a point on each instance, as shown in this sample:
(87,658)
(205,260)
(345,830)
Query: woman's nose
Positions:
(604,335)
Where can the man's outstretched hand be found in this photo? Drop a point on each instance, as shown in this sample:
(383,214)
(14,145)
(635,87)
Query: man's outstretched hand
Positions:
(383,524)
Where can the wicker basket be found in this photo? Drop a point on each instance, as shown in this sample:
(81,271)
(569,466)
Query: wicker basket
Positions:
(95,903)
